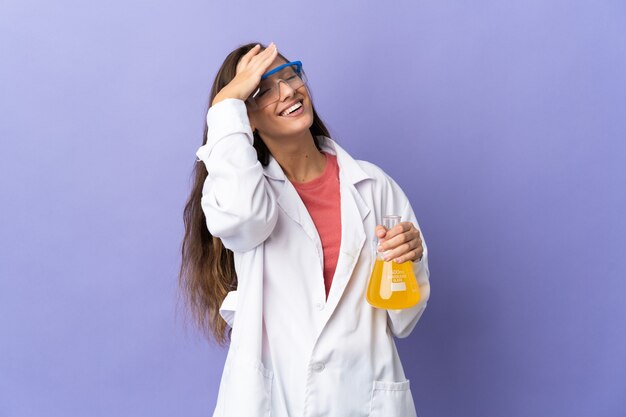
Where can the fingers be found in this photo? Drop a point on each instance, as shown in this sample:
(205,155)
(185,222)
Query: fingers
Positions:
(399,229)
(243,61)
(414,255)
(409,251)
(406,244)
(381,232)
(254,59)
(262,61)
(261,58)
(400,243)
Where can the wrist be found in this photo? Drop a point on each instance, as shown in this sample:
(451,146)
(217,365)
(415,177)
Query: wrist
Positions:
(223,95)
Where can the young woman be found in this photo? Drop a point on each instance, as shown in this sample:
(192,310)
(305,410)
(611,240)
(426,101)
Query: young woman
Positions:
(281,232)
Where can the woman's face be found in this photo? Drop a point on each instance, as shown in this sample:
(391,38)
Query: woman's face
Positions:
(268,120)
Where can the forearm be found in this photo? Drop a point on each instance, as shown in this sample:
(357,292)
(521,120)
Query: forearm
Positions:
(238,203)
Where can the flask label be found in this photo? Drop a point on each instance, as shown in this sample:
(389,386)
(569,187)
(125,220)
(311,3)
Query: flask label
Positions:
(398,282)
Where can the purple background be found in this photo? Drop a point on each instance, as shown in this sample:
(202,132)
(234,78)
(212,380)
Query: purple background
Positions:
(503,121)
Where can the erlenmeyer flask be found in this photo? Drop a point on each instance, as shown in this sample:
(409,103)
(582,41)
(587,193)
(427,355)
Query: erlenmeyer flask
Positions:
(392,285)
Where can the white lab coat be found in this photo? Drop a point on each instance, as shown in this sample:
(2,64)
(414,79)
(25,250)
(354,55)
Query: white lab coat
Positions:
(292,353)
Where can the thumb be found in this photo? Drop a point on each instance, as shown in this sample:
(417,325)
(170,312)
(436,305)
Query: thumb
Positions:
(380,231)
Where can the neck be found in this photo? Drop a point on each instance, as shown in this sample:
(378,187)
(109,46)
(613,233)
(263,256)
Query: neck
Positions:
(298,156)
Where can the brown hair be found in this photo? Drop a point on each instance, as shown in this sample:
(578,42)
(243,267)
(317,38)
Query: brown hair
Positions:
(207,270)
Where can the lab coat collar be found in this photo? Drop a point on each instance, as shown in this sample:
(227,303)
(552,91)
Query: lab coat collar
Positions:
(351,169)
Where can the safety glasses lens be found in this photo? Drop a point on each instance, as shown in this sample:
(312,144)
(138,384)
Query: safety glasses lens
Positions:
(268,90)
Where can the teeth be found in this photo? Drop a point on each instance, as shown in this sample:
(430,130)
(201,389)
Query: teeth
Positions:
(292,108)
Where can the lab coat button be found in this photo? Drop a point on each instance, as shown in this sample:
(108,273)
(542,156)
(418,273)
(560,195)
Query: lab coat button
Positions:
(318,366)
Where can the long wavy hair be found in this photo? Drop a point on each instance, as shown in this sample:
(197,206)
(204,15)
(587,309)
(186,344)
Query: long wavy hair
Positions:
(207,270)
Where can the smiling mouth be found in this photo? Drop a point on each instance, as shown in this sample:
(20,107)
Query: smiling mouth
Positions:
(294,110)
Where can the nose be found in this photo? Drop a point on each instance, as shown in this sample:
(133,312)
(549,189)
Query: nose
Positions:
(288,90)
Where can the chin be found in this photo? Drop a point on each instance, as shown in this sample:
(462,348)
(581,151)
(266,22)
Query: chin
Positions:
(299,128)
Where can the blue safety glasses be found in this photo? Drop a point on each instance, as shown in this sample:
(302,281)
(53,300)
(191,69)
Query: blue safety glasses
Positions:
(268,91)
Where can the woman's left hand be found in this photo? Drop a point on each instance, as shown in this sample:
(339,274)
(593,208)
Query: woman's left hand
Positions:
(403,241)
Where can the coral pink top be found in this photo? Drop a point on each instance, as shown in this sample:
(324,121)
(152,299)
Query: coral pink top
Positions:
(322,199)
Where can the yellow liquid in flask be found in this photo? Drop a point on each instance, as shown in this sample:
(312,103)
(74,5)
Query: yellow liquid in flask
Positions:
(392,285)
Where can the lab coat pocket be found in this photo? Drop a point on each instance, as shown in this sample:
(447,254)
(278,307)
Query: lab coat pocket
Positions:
(248,386)
(392,399)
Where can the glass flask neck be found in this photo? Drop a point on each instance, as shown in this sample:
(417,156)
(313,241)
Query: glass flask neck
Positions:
(390,220)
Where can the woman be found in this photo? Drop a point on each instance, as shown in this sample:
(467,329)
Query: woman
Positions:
(280,240)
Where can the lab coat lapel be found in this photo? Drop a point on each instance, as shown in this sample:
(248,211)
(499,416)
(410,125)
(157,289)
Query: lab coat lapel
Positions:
(353,237)
(354,211)
(291,203)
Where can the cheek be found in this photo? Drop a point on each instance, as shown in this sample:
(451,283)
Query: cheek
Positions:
(263,120)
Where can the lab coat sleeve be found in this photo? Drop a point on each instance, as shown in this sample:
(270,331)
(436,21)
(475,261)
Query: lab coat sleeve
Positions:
(402,322)
(238,203)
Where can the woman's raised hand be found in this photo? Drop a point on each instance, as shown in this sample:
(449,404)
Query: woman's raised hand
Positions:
(250,68)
